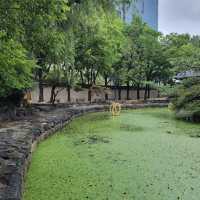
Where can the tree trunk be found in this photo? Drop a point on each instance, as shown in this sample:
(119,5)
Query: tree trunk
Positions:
(106,85)
(89,95)
(41,91)
(128,91)
(106,96)
(82,80)
(68,94)
(119,93)
(149,92)
(158,91)
(115,92)
(138,91)
(52,98)
(158,96)
(145,92)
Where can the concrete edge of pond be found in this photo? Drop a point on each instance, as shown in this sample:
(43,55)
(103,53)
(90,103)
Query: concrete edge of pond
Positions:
(19,140)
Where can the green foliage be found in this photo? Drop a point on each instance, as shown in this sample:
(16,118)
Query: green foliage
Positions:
(15,67)
(44,24)
(98,38)
(183,54)
(186,101)
(167,90)
(55,76)
(75,41)
(38,26)
(186,58)
(143,60)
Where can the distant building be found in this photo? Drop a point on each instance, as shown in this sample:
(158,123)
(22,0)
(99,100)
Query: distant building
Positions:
(184,75)
(146,9)
(187,74)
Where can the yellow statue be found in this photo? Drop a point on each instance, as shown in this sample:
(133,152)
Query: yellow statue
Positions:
(115,108)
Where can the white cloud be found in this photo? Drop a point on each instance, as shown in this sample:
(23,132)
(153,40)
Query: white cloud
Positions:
(181,16)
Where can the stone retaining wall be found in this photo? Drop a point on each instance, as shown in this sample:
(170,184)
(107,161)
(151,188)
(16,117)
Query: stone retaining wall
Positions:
(18,140)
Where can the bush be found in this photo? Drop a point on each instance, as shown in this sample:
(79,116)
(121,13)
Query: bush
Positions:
(186,101)
(167,90)
(13,99)
(15,69)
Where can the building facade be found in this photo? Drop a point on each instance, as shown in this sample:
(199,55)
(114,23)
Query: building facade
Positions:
(146,9)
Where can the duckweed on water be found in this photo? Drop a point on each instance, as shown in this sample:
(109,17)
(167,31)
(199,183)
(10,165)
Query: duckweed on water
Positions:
(141,155)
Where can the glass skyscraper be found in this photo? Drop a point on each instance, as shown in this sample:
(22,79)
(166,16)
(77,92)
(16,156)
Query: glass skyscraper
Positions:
(147,9)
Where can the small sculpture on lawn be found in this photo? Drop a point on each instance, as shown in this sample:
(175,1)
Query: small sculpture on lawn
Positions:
(115,109)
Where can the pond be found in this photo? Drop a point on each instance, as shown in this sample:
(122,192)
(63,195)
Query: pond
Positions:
(142,154)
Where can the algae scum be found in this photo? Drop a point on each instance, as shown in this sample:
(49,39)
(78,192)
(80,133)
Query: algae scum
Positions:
(141,155)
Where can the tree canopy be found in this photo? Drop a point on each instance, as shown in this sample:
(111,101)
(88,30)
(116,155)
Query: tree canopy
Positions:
(86,43)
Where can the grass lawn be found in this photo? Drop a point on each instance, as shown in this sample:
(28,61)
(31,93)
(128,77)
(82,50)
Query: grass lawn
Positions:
(141,155)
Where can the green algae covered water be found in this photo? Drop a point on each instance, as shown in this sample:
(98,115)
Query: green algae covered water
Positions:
(141,155)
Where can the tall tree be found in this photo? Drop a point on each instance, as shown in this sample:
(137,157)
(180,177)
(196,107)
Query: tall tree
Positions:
(99,36)
(44,24)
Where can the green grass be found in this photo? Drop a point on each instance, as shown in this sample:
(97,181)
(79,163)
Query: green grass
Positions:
(141,155)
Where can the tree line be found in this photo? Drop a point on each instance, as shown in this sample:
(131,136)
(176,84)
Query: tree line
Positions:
(83,43)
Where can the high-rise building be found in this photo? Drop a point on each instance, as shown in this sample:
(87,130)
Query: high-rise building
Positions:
(146,9)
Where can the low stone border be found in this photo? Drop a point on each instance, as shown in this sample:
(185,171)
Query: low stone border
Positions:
(19,139)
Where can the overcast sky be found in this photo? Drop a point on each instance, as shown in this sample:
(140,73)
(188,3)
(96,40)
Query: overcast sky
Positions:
(181,16)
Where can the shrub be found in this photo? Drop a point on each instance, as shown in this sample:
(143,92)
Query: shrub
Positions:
(15,69)
(186,100)
(167,90)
